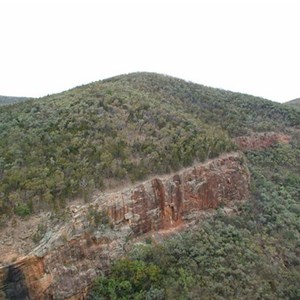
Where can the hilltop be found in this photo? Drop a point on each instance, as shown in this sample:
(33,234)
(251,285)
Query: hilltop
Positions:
(182,192)
(121,129)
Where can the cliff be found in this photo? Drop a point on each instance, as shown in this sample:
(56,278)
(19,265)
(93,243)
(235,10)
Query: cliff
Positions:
(73,253)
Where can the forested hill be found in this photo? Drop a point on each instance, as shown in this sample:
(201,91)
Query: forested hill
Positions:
(123,128)
(129,127)
(295,102)
(9,100)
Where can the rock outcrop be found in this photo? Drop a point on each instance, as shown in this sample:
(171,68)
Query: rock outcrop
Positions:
(71,255)
(262,140)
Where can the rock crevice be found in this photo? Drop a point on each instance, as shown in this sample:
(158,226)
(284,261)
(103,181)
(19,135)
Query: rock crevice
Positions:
(68,259)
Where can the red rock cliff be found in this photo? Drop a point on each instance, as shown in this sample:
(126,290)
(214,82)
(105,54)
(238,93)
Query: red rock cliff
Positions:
(70,257)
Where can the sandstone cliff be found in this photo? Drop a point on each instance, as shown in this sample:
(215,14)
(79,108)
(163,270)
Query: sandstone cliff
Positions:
(73,253)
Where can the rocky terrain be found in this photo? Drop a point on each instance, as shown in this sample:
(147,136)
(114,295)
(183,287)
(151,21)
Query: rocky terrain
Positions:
(147,161)
(262,140)
(71,254)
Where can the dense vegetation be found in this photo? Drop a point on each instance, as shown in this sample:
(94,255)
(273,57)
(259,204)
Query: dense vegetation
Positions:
(128,127)
(124,128)
(8,100)
(252,255)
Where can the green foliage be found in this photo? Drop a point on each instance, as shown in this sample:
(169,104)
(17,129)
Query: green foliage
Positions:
(40,232)
(61,146)
(22,210)
(97,218)
(129,127)
(130,279)
(254,254)
(121,129)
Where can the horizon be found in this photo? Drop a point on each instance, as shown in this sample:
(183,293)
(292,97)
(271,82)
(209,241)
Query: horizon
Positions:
(137,72)
(244,46)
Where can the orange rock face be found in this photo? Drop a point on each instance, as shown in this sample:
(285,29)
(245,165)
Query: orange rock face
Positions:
(25,279)
(162,203)
(67,260)
(261,141)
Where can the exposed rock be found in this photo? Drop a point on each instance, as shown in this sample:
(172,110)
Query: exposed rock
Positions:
(263,140)
(72,254)
(25,279)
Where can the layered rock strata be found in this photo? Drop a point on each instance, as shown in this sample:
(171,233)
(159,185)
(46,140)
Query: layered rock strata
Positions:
(71,255)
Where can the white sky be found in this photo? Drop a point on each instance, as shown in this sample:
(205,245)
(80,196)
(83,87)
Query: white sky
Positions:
(245,46)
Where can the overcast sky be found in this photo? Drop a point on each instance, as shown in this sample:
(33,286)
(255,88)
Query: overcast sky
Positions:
(245,46)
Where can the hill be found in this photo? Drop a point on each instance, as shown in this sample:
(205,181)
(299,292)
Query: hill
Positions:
(295,102)
(136,128)
(9,100)
(122,128)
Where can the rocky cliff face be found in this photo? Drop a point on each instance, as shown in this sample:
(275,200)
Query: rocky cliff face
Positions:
(73,253)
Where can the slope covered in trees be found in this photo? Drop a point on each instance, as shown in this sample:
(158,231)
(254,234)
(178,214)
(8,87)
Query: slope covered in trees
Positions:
(132,126)
(123,128)
(9,100)
(252,254)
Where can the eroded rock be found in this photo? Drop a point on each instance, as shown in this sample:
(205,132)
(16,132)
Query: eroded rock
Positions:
(68,258)
(262,140)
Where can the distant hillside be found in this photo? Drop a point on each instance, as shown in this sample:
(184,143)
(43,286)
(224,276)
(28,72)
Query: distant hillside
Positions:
(9,100)
(295,102)
(120,129)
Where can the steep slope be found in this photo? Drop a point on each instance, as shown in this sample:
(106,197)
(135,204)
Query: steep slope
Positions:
(68,258)
(95,141)
(119,130)
(253,253)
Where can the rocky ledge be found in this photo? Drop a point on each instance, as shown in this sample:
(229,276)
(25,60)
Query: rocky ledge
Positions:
(72,254)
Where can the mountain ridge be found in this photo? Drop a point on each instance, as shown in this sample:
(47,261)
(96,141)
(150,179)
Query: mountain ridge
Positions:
(295,102)
(5,100)
(123,128)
